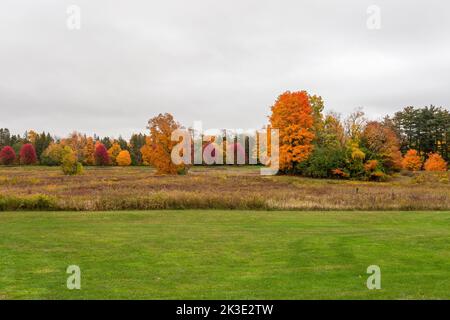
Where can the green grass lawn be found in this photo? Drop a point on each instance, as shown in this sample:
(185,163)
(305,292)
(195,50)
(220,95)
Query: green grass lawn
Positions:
(225,255)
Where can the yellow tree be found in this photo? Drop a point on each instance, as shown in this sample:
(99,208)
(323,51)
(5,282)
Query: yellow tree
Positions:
(113,152)
(292,115)
(77,142)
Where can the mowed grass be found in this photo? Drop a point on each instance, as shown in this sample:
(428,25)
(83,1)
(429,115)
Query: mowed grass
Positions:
(225,254)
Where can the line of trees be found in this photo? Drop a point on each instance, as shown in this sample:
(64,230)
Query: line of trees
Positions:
(311,143)
(49,150)
(426,130)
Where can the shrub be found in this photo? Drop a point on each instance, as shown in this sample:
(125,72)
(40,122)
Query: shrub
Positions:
(70,164)
(123,158)
(34,202)
(371,166)
(28,154)
(378,175)
(7,156)
(435,163)
(323,163)
(339,173)
(412,161)
(101,155)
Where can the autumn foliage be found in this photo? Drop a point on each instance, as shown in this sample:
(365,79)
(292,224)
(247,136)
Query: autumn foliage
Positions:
(7,155)
(435,163)
(311,143)
(101,155)
(146,151)
(123,158)
(371,165)
(89,151)
(113,152)
(412,161)
(292,115)
(69,163)
(159,145)
(28,154)
(382,142)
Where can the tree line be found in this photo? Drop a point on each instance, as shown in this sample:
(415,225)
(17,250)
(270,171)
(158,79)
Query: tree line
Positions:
(312,143)
(49,149)
(426,130)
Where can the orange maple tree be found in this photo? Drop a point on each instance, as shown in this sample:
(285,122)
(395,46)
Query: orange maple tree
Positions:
(435,163)
(146,151)
(292,115)
(123,158)
(412,161)
(158,148)
(89,151)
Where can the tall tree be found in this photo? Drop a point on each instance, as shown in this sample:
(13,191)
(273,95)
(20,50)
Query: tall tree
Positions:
(41,142)
(292,115)
(89,152)
(424,129)
(5,137)
(137,141)
(161,144)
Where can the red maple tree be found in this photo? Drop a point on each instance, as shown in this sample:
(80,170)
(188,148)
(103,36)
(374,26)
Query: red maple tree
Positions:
(7,155)
(101,155)
(28,154)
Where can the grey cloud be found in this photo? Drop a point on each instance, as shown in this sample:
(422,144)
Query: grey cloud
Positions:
(220,62)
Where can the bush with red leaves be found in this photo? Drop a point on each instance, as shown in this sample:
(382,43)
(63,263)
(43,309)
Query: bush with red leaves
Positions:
(27,154)
(7,156)
(101,155)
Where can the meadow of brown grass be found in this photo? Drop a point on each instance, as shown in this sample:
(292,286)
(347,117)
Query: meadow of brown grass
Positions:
(120,188)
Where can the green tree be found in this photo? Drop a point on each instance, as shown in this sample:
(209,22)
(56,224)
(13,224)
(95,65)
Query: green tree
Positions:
(137,141)
(70,164)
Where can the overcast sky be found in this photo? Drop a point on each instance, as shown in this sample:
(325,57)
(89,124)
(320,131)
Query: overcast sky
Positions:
(221,62)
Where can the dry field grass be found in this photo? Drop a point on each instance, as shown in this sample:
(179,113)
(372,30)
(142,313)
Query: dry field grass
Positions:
(117,188)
